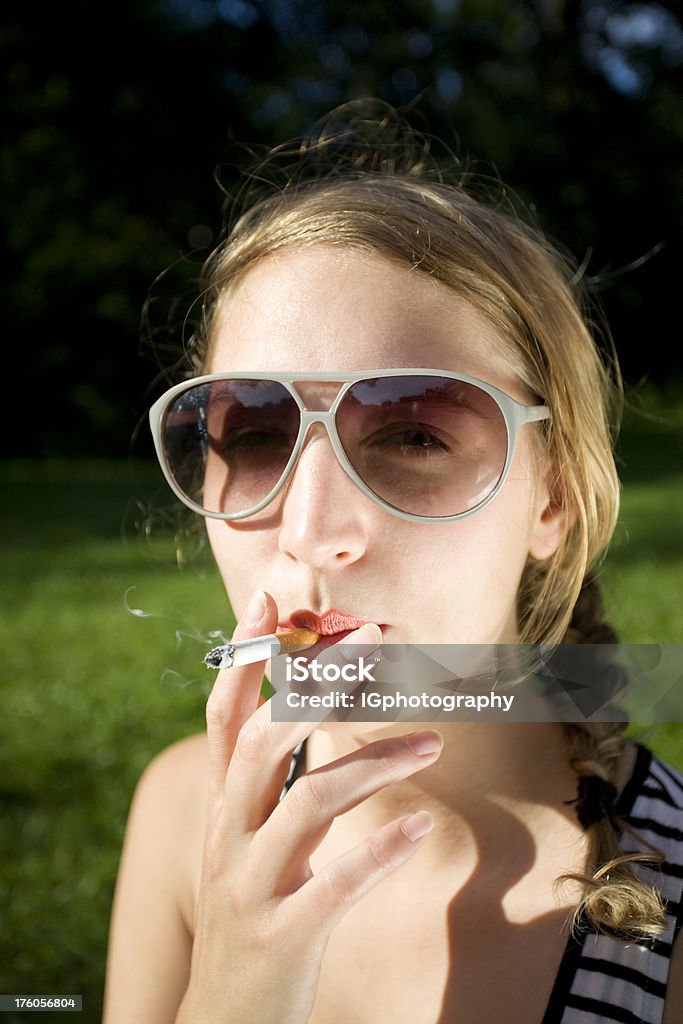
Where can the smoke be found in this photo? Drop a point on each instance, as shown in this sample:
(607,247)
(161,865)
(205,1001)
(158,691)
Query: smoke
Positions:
(184,632)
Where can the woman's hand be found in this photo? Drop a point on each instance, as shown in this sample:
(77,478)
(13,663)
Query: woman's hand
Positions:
(263,919)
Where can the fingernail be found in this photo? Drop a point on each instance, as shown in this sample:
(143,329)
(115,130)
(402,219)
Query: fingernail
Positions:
(424,743)
(254,611)
(363,641)
(417,825)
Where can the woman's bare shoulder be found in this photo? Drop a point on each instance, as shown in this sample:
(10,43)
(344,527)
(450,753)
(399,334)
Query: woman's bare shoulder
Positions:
(169,805)
(171,780)
(183,764)
(173,792)
(152,921)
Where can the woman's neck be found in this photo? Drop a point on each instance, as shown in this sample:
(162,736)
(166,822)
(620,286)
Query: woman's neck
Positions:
(490,781)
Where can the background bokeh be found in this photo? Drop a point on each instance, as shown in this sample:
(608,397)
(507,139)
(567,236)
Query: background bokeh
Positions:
(119,122)
(116,121)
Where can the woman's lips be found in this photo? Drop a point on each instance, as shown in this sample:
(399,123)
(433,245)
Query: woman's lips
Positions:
(331,623)
(333,626)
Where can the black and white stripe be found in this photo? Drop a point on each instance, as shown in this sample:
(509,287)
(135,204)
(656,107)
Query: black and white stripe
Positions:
(297,754)
(604,980)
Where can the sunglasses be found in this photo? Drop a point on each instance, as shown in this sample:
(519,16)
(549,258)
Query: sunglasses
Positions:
(423,444)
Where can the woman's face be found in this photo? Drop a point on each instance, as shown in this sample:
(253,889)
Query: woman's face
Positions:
(322,544)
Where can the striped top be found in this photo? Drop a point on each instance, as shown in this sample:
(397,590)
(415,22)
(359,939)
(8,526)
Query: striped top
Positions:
(602,980)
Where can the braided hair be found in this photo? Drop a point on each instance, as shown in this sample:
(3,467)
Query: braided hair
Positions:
(614,899)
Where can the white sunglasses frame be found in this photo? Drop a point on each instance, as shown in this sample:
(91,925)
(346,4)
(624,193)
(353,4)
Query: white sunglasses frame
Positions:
(515,415)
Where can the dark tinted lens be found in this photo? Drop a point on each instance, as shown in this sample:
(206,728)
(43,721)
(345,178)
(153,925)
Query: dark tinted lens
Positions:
(426,445)
(227,442)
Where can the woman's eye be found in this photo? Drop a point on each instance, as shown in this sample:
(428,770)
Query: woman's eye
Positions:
(420,441)
(417,441)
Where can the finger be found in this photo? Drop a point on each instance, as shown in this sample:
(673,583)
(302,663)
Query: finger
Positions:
(235,693)
(263,750)
(327,897)
(300,821)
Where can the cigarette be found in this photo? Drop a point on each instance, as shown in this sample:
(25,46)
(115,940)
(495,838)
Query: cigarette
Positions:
(260,648)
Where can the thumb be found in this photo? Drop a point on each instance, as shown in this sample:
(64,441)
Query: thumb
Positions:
(258,618)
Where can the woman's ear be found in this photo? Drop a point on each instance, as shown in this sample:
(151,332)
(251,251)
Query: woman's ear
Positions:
(553,517)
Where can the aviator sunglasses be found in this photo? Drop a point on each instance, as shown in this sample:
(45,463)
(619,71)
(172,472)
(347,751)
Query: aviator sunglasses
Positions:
(423,444)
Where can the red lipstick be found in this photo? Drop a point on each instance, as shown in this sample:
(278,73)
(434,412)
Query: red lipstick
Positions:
(329,623)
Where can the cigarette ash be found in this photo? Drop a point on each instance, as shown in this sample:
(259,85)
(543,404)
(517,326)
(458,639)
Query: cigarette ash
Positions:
(220,657)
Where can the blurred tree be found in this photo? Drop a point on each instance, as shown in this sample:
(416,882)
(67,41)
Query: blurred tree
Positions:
(115,120)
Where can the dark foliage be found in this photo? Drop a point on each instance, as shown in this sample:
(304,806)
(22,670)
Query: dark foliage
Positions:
(117,117)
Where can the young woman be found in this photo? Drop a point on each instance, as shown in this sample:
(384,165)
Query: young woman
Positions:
(367,873)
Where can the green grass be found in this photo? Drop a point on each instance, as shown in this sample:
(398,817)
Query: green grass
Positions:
(91,692)
(643,575)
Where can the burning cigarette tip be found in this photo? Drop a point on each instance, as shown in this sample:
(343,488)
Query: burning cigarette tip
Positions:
(216,655)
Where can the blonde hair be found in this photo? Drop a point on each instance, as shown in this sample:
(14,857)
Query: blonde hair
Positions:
(365,183)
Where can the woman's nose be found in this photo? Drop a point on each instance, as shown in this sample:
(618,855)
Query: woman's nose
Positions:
(322,523)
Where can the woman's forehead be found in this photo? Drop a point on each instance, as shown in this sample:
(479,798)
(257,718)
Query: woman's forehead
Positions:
(326,307)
